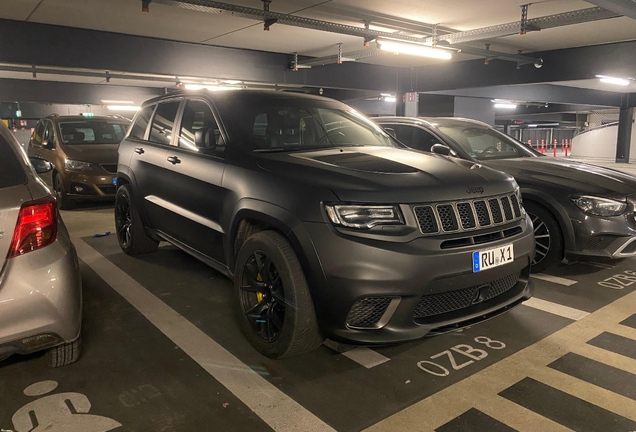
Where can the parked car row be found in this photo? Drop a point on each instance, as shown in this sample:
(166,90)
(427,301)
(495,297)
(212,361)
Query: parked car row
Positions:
(329,226)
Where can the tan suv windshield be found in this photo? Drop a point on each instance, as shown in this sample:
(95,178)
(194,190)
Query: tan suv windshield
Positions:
(89,132)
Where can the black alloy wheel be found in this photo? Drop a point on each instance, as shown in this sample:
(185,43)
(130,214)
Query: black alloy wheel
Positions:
(548,238)
(276,309)
(63,202)
(541,239)
(123,221)
(262,296)
(131,234)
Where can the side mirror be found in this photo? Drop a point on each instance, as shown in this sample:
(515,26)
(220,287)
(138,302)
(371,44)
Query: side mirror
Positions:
(48,144)
(441,149)
(205,139)
(40,165)
(391,132)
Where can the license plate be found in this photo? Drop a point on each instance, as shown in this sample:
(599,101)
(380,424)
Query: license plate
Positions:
(115,181)
(490,258)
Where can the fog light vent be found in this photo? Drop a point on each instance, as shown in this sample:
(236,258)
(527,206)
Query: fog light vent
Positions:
(38,341)
(81,189)
(366,313)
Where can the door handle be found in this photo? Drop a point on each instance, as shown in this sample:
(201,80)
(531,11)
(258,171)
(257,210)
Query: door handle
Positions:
(139,150)
(174,160)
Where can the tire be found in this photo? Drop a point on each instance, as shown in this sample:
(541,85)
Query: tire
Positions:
(549,250)
(63,201)
(65,354)
(268,279)
(130,231)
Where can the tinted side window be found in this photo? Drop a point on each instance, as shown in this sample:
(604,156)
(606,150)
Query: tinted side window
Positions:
(38,132)
(11,171)
(403,133)
(423,140)
(414,137)
(197,116)
(163,122)
(141,122)
(48,132)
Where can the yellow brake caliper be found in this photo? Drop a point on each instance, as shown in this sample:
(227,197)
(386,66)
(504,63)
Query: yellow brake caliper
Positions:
(259,295)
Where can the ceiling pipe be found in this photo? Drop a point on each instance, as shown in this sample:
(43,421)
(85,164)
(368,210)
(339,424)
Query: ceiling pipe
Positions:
(534,24)
(508,29)
(621,7)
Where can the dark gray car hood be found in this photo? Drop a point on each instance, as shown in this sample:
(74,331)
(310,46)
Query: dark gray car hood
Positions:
(543,172)
(382,174)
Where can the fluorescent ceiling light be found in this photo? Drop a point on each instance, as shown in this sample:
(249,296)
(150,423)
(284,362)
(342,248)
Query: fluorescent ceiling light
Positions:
(210,88)
(613,80)
(232,82)
(533,125)
(386,95)
(123,107)
(116,102)
(506,105)
(413,49)
(389,99)
(194,87)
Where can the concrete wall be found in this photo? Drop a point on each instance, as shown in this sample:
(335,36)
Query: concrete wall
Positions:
(476,109)
(601,143)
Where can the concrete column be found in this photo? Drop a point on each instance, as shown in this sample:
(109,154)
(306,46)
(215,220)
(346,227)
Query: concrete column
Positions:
(625,121)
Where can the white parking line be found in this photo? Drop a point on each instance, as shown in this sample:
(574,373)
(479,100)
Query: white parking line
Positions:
(366,357)
(277,409)
(553,279)
(556,309)
(362,355)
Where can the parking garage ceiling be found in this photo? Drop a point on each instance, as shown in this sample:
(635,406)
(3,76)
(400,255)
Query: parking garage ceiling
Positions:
(170,20)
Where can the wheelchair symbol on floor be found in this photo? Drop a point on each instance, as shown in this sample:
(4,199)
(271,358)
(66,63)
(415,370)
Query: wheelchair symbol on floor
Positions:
(61,412)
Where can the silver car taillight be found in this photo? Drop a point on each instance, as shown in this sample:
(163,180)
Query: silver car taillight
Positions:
(36,227)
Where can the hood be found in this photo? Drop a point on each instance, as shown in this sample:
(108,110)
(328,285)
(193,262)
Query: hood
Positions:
(542,172)
(94,153)
(388,175)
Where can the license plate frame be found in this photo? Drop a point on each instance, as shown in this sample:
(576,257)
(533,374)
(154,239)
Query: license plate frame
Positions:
(493,257)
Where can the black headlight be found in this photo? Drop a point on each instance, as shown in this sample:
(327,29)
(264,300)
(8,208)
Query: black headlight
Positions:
(364,216)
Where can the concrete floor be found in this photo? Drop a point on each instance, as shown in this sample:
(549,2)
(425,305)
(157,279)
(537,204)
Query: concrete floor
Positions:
(162,352)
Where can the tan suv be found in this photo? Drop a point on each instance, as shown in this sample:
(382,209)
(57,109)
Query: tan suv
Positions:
(83,151)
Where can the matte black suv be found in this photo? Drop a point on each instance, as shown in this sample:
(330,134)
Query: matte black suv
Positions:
(327,226)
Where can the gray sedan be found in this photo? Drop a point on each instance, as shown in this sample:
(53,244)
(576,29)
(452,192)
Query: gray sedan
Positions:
(578,210)
(40,285)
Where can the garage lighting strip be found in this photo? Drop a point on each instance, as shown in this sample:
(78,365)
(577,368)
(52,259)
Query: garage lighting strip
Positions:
(508,29)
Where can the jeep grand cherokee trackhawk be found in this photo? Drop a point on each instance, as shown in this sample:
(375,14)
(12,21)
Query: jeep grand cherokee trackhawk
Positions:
(326,225)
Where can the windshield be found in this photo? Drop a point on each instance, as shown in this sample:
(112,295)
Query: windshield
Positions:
(483,143)
(92,132)
(288,124)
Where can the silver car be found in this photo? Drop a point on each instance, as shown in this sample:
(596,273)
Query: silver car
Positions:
(40,285)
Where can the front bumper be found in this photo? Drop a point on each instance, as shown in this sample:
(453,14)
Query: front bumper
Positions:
(40,295)
(612,237)
(90,186)
(357,268)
